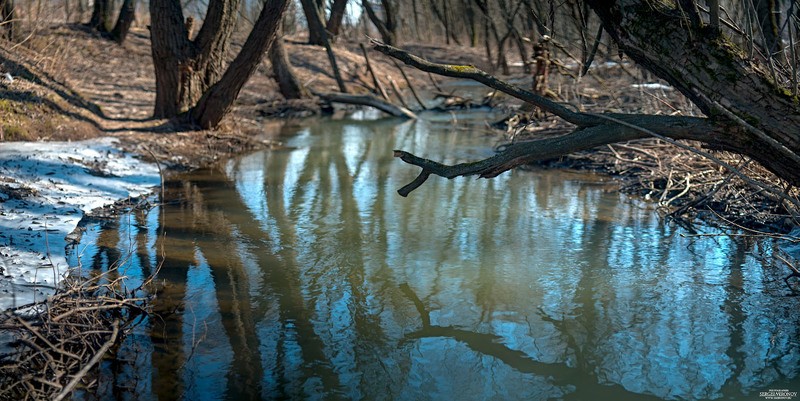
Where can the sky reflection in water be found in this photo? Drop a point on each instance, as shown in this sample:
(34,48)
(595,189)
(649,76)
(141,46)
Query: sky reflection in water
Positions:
(300,273)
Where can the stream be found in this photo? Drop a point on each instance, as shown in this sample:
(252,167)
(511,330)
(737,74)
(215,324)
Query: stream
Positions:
(300,273)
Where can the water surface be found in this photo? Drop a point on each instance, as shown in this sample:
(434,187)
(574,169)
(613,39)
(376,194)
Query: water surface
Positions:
(301,274)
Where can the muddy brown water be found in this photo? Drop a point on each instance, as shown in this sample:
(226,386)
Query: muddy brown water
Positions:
(301,274)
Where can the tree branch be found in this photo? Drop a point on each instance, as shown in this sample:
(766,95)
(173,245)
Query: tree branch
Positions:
(476,74)
(615,128)
(367,100)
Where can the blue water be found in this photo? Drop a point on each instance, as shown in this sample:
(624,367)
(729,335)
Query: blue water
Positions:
(299,273)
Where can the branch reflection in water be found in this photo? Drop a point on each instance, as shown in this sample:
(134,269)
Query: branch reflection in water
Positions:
(299,273)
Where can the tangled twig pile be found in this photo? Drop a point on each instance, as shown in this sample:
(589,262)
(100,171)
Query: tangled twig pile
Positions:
(60,340)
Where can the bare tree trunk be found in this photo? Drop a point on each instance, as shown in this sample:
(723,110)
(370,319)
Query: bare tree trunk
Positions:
(490,27)
(442,16)
(185,69)
(415,14)
(127,15)
(288,83)
(100,15)
(81,9)
(314,20)
(502,60)
(385,28)
(316,25)
(172,54)
(768,14)
(217,101)
(472,25)
(335,19)
(67,11)
(7,18)
(487,44)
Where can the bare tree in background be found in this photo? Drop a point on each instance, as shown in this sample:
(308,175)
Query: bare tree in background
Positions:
(386,27)
(335,19)
(101,14)
(315,15)
(7,22)
(768,15)
(127,15)
(289,85)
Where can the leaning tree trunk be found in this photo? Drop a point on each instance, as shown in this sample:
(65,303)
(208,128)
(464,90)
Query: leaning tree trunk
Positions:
(219,98)
(288,83)
(127,14)
(714,74)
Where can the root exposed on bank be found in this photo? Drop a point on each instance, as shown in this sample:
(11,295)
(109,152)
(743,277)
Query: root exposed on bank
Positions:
(58,342)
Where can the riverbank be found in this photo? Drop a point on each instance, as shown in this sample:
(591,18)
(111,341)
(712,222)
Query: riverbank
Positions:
(45,191)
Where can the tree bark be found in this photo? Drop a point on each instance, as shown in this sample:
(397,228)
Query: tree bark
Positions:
(288,83)
(100,15)
(768,14)
(217,101)
(385,28)
(713,73)
(172,53)
(314,20)
(471,24)
(127,15)
(7,18)
(316,25)
(335,19)
(185,69)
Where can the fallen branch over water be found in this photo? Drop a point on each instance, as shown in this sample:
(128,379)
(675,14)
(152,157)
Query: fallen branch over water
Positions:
(367,100)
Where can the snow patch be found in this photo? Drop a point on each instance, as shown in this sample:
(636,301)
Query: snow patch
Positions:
(45,190)
(653,85)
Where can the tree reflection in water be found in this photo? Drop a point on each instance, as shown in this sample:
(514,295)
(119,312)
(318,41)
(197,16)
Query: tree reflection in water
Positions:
(299,273)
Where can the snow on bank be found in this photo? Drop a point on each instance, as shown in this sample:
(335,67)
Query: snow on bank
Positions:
(45,190)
